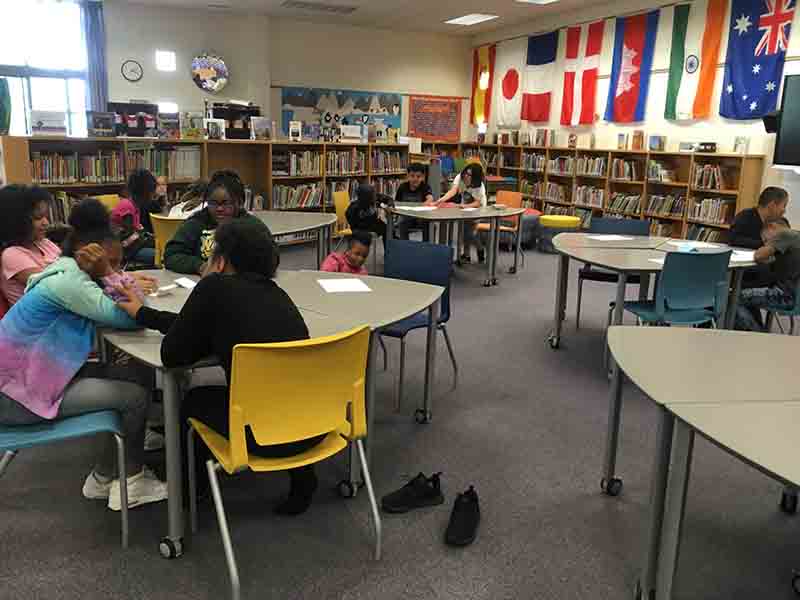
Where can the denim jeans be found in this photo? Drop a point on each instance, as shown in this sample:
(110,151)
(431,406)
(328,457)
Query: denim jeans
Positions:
(752,300)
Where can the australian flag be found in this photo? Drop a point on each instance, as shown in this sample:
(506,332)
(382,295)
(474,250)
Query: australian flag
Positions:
(757,41)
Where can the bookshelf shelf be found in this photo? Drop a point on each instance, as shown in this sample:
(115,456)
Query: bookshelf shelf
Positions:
(626,181)
(587,176)
(559,202)
(708,223)
(675,184)
(345,175)
(560,175)
(79,185)
(676,218)
(297,177)
(622,212)
(388,173)
(577,205)
(720,192)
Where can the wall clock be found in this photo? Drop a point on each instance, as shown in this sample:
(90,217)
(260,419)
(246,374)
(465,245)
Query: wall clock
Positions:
(132,70)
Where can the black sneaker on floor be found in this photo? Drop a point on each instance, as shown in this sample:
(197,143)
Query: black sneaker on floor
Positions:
(481,256)
(465,258)
(420,491)
(463,525)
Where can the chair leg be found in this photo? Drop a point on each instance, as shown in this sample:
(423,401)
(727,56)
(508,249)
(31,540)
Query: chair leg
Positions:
(385,354)
(578,305)
(192,474)
(452,354)
(791,325)
(338,243)
(770,321)
(123,487)
(399,401)
(6,460)
(223,528)
(375,514)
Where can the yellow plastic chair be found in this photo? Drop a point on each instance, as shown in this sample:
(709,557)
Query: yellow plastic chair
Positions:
(110,201)
(341,200)
(276,391)
(164,229)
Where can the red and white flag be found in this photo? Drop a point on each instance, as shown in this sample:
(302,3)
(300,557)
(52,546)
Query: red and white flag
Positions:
(539,68)
(584,43)
(509,62)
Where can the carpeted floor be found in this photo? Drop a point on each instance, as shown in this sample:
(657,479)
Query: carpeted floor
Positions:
(526,426)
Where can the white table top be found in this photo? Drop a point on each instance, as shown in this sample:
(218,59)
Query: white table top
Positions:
(679,365)
(589,240)
(390,300)
(762,434)
(287,222)
(454,214)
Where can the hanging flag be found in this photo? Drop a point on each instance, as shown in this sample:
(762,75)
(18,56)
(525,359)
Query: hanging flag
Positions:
(634,40)
(508,82)
(757,41)
(584,43)
(696,39)
(482,78)
(539,68)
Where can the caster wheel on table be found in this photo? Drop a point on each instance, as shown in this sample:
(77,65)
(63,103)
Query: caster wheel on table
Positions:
(422,416)
(170,548)
(789,503)
(511,270)
(796,583)
(494,281)
(611,487)
(346,489)
(553,341)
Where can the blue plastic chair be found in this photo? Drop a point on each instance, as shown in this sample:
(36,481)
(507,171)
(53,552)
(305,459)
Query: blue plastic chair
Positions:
(692,290)
(589,273)
(424,263)
(14,438)
(785,311)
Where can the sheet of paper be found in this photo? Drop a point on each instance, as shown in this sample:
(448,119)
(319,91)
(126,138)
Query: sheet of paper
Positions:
(186,283)
(658,261)
(469,209)
(743,256)
(333,286)
(165,290)
(418,208)
(693,244)
(611,237)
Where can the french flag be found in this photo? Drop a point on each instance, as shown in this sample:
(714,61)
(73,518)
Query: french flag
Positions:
(539,69)
(584,43)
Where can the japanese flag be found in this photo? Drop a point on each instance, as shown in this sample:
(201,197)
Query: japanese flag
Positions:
(509,65)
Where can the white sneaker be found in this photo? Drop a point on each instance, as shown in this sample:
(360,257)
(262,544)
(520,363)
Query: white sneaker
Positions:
(143,488)
(95,488)
(153,440)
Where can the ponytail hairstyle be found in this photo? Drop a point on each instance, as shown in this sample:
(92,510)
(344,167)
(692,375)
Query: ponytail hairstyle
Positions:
(89,224)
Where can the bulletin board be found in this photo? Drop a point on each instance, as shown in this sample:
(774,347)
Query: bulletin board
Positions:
(434,118)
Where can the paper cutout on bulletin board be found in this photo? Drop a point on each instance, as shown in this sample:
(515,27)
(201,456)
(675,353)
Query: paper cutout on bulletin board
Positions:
(434,118)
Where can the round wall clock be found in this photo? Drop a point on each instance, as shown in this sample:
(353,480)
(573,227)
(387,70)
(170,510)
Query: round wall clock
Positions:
(132,71)
(209,72)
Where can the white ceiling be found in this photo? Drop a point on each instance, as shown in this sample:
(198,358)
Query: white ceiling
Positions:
(400,15)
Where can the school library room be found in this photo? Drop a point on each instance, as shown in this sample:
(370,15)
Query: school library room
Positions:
(361,299)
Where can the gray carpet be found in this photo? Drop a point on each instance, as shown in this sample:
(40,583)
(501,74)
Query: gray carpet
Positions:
(525,426)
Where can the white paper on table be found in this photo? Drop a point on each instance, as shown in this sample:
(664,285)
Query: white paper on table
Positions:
(469,209)
(186,283)
(165,290)
(658,261)
(692,243)
(418,208)
(611,237)
(333,286)
(743,256)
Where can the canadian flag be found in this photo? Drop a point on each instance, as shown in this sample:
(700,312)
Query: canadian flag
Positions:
(509,62)
(584,43)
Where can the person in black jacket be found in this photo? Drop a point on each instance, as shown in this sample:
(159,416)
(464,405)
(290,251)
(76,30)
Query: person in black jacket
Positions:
(747,226)
(236,302)
(363,213)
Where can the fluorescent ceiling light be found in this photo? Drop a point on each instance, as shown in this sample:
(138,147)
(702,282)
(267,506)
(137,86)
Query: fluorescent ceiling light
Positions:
(536,1)
(472,19)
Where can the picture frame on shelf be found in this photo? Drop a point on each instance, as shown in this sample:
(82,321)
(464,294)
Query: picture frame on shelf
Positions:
(215,129)
(657,143)
(741,144)
(100,124)
(261,128)
(295,131)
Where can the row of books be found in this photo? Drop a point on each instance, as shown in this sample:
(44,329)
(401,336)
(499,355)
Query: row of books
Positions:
(534,162)
(709,177)
(660,229)
(592,166)
(658,172)
(59,209)
(297,163)
(341,185)
(55,168)
(253,201)
(589,196)
(564,165)
(705,234)
(174,163)
(387,185)
(630,170)
(713,210)
(625,203)
(300,196)
(666,205)
(555,209)
(344,162)
(384,161)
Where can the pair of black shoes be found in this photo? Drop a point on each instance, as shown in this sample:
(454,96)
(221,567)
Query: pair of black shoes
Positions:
(427,491)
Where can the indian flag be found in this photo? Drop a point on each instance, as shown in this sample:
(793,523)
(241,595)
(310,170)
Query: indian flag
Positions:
(696,38)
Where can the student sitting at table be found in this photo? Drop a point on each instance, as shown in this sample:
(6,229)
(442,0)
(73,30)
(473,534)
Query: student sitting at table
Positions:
(131,216)
(236,302)
(781,253)
(414,189)
(351,260)
(748,224)
(189,251)
(362,214)
(469,190)
(45,340)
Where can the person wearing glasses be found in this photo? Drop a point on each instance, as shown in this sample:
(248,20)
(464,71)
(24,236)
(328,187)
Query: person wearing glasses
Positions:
(193,245)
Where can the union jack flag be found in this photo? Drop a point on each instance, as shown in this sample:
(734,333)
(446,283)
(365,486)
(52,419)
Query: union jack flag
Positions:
(775,25)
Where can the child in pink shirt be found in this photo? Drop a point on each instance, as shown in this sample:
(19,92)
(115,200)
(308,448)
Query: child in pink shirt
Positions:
(351,260)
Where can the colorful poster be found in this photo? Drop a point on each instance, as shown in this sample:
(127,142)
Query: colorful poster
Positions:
(330,108)
(757,40)
(435,118)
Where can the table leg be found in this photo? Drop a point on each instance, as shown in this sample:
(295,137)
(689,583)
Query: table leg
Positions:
(354,477)
(646,586)
(619,307)
(610,484)
(517,247)
(644,286)
(389,225)
(490,278)
(320,246)
(561,300)
(425,414)
(432,231)
(733,298)
(172,545)
(329,239)
(677,486)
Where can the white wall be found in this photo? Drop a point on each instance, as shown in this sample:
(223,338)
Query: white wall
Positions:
(716,129)
(136,31)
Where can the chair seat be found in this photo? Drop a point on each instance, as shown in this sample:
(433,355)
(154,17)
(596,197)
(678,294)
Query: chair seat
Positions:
(646,311)
(345,232)
(401,328)
(18,437)
(594,274)
(219,446)
(487,227)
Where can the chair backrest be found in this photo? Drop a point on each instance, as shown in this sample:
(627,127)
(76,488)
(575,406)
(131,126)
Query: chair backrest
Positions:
(341,200)
(164,229)
(421,262)
(511,200)
(619,226)
(110,201)
(692,280)
(292,391)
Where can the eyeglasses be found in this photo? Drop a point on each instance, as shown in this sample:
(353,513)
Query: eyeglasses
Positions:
(226,207)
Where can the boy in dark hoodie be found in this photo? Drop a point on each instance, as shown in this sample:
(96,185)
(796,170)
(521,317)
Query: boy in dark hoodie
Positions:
(362,215)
